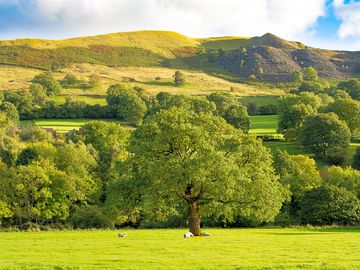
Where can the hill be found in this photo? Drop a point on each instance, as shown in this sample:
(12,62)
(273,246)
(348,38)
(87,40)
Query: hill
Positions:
(267,58)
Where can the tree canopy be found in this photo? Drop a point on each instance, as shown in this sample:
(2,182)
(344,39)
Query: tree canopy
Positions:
(183,161)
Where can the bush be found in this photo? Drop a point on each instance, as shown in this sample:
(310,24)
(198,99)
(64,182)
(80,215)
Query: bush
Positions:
(90,216)
(269,109)
(52,86)
(179,78)
(69,80)
(328,205)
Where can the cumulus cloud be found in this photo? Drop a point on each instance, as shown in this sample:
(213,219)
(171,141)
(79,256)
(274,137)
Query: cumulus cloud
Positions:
(194,18)
(349,14)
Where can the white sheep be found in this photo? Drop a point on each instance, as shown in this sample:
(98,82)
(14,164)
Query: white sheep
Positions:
(188,235)
(122,235)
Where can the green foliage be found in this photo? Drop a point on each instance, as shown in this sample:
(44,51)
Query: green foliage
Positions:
(347,110)
(126,104)
(329,205)
(324,133)
(228,107)
(164,101)
(69,80)
(26,156)
(110,141)
(90,216)
(299,172)
(352,87)
(237,116)
(182,161)
(310,74)
(310,86)
(347,178)
(297,76)
(23,102)
(36,192)
(356,159)
(38,93)
(5,212)
(179,78)
(10,111)
(51,86)
(293,109)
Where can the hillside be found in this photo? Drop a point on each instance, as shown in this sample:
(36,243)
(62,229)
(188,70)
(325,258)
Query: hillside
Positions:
(268,57)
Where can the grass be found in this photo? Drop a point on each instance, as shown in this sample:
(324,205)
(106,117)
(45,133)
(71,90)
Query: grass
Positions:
(89,99)
(160,42)
(263,124)
(198,83)
(65,125)
(260,100)
(313,248)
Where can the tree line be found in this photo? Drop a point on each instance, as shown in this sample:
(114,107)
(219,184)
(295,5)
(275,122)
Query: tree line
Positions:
(189,162)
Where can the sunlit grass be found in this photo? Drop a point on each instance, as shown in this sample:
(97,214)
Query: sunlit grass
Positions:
(332,248)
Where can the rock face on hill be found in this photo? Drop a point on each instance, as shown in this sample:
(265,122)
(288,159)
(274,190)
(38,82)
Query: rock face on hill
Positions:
(271,58)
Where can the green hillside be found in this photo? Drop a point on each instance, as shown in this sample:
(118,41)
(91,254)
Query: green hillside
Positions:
(239,56)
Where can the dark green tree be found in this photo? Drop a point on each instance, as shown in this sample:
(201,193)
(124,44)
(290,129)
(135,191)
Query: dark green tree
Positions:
(352,87)
(126,104)
(356,159)
(329,205)
(179,78)
(323,133)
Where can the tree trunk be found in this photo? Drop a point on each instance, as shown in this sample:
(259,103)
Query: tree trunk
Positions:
(194,219)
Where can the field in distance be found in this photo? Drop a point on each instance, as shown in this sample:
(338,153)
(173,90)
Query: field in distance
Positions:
(313,248)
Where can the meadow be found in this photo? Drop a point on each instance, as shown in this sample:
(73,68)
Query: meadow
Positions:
(263,124)
(261,248)
(65,125)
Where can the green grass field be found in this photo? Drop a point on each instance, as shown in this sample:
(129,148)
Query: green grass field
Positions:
(326,248)
(263,124)
(65,125)
(260,100)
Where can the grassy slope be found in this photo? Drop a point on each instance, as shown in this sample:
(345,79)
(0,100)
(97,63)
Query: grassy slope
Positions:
(331,248)
(198,83)
(161,42)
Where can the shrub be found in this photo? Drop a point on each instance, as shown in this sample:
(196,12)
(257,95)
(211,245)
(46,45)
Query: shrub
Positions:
(179,78)
(328,205)
(90,216)
(51,85)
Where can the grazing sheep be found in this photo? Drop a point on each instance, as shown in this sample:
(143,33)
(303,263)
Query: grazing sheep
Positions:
(188,235)
(122,235)
(205,234)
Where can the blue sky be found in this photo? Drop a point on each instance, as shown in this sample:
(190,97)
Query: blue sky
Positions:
(333,24)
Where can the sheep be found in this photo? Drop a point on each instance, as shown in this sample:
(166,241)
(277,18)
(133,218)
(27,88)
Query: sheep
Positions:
(188,235)
(122,235)
(205,234)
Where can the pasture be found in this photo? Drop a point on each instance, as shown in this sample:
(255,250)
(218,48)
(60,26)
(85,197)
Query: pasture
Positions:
(312,248)
(263,124)
(65,125)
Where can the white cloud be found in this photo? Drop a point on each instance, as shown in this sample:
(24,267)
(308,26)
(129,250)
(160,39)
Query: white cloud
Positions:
(196,18)
(349,14)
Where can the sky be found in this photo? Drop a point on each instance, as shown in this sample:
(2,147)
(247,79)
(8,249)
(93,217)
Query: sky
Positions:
(330,24)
